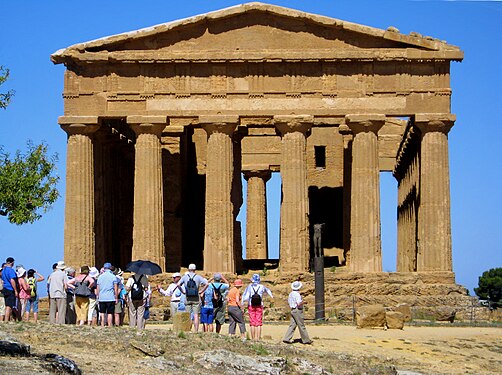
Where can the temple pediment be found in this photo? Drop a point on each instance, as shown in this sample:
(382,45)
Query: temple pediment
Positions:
(260,32)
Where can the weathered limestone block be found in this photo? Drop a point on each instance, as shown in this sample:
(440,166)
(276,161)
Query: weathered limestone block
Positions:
(370,316)
(394,319)
(182,322)
(436,313)
(404,309)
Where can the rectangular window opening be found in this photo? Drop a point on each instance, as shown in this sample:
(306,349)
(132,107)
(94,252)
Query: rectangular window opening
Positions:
(320,156)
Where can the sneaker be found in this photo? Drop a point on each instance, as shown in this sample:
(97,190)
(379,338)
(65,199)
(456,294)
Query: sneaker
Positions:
(287,342)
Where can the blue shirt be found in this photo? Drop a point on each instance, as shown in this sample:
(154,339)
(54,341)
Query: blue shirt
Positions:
(223,289)
(197,278)
(208,298)
(106,283)
(7,275)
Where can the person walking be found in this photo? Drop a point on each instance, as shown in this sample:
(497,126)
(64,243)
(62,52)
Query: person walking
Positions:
(137,288)
(173,291)
(235,310)
(58,284)
(253,297)
(107,293)
(192,283)
(83,284)
(32,303)
(296,304)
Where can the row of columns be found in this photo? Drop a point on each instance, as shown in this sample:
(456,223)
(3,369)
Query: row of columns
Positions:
(365,244)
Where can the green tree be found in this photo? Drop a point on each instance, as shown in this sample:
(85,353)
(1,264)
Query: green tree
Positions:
(5,97)
(27,184)
(490,287)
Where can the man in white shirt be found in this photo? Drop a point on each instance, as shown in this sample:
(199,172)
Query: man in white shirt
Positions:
(296,303)
(174,291)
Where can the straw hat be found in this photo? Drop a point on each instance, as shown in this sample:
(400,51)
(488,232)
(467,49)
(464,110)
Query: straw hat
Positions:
(296,285)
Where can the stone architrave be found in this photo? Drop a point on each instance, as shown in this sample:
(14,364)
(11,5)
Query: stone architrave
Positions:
(148,216)
(256,214)
(434,222)
(365,243)
(295,242)
(79,236)
(219,220)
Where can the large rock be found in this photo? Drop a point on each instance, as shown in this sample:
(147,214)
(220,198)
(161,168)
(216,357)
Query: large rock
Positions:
(182,322)
(394,319)
(437,313)
(370,316)
(404,309)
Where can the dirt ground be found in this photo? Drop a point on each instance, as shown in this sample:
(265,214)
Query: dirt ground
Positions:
(337,349)
(428,350)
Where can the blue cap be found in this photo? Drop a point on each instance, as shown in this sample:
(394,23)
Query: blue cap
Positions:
(256,278)
(107,265)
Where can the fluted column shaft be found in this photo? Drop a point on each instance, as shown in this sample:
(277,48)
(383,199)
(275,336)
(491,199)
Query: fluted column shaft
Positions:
(256,214)
(148,214)
(294,241)
(219,219)
(365,248)
(79,236)
(434,222)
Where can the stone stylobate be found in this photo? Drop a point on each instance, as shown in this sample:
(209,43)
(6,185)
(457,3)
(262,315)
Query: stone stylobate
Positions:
(148,218)
(294,247)
(219,221)
(79,235)
(365,243)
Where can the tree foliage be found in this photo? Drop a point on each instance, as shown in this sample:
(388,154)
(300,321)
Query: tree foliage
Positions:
(5,97)
(490,287)
(27,184)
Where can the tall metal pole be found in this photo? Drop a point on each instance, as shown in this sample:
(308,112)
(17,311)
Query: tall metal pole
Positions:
(319,272)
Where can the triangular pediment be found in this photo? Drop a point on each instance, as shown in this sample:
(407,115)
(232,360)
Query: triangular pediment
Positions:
(254,27)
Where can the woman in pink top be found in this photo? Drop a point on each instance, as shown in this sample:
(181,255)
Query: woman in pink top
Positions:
(24,290)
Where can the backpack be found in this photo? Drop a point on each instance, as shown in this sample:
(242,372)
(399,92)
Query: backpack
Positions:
(82,289)
(255,298)
(217,297)
(191,288)
(137,289)
(32,283)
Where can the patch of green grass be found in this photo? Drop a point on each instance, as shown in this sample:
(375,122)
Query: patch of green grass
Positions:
(182,335)
(260,349)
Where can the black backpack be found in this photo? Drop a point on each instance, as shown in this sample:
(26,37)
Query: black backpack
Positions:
(191,288)
(137,289)
(255,298)
(217,297)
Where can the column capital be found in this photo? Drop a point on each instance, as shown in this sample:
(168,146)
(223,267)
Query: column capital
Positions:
(293,123)
(147,124)
(219,123)
(364,123)
(263,174)
(84,129)
(435,122)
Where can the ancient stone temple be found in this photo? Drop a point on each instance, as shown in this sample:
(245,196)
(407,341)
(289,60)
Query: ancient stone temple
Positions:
(164,123)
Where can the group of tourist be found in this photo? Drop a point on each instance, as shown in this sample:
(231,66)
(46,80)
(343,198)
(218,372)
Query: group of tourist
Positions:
(212,299)
(101,297)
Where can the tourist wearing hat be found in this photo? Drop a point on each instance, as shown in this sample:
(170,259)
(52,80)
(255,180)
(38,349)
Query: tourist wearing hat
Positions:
(235,315)
(296,304)
(253,298)
(107,293)
(10,288)
(58,284)
(24,290)
(173,291)
(192,282)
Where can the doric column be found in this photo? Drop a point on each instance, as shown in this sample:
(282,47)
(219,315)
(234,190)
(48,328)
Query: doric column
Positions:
(148,215)
(219,219)
(434,223)
(295,242)
(79,236)
(256,214)
(365,244)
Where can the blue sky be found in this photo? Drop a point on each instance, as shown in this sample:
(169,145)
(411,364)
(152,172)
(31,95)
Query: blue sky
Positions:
(32,30)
